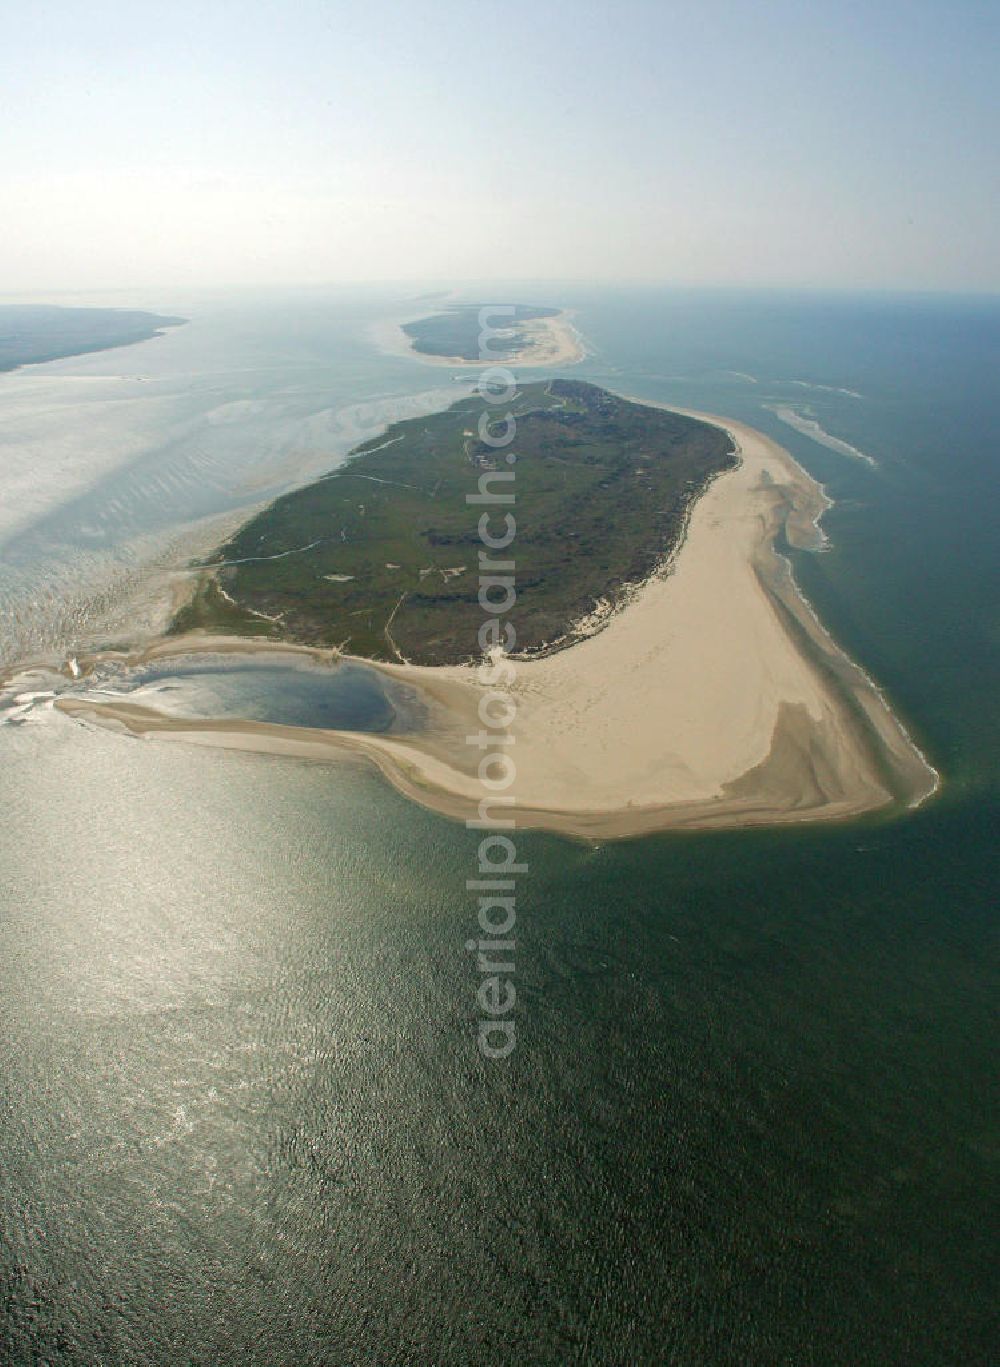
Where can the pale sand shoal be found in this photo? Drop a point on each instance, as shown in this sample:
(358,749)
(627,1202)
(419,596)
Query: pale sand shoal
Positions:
(552,342)
(715,698)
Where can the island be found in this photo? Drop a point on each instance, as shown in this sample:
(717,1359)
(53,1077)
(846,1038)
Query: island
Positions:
(484,335)
(455,334)
(380,558)
(32,333)
(668,673)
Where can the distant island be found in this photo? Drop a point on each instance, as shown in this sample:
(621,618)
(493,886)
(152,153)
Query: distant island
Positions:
(379,558)
(456,332)
(32,333)
(522,334)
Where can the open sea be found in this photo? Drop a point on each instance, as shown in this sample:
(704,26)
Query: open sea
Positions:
(243,1120)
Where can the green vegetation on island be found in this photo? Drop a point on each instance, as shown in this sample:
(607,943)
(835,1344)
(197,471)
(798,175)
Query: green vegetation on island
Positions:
(381,556)
(457,332)
(30,333)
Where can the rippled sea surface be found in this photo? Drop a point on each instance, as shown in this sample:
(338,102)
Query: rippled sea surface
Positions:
(242,1114)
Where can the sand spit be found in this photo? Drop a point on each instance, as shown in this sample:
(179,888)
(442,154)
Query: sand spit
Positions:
(715,698)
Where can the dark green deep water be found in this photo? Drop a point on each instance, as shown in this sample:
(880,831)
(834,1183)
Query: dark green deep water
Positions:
(749,1118)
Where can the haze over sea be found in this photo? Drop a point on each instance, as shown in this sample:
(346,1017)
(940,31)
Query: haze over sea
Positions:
(244,1118)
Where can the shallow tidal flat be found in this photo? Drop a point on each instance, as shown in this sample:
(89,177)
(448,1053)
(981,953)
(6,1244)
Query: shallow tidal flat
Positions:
(712,697)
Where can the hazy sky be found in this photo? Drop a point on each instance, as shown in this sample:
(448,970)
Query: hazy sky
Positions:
(779,141)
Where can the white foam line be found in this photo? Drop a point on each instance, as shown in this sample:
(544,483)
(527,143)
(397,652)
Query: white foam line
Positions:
(825,388)
(809,427)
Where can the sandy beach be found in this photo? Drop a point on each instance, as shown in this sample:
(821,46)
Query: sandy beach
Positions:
(551,342)
(715,698)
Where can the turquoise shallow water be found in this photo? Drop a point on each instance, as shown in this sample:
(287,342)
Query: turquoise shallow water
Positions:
(749,1118)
